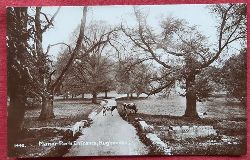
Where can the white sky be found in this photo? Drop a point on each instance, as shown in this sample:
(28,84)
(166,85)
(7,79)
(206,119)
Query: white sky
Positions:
(69,17)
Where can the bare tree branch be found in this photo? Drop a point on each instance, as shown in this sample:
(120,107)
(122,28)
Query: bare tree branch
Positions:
(61,43)
(50,22)
(159,89)
(75,51)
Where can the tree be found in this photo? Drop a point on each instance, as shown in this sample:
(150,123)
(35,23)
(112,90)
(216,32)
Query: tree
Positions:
(133,76)
(45,80)
(18,62)
(234,76)
(49,85)
(183,52)
(33,64)
(92,72)
(140,79)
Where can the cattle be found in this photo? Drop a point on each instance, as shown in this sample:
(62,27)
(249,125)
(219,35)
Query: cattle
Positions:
(108,105)
(202,115)
(109,108)
(130,106)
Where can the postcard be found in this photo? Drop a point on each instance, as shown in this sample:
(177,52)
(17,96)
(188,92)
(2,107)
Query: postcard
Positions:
(121,80)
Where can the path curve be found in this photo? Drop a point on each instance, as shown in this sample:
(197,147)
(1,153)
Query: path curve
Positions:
(108,135)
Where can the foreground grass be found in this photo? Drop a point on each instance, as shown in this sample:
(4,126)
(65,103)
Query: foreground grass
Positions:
(228,119)
(67,113)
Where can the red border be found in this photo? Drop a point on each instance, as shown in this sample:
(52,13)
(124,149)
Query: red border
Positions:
(3,113)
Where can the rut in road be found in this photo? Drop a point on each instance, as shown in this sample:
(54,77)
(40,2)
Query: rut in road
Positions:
(108,135)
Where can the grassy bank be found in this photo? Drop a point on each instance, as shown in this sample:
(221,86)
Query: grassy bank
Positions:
(228,119)
(67,113)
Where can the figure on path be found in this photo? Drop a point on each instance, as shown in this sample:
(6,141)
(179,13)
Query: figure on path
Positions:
(108,105)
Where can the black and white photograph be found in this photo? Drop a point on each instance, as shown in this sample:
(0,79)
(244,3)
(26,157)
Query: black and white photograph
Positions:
(126,80)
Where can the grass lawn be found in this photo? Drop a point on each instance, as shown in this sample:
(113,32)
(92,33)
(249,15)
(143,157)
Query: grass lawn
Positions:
(227,118)
(67,113)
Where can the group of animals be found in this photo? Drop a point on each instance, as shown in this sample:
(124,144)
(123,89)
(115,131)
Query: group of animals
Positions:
(111,105)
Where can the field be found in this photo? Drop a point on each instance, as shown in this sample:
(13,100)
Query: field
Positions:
(217,108)
(67,113)
(227,118)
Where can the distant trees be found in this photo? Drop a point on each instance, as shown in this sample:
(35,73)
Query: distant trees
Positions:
(141,78)
(183,52)
(91,73)
(234,76)
(133,76)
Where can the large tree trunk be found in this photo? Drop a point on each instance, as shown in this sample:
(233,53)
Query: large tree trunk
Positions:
(131,95)
(16,111)
(47,109)
(137,95)
(17,33)
(191,111)
(47,102)
(94,98)
(106,94)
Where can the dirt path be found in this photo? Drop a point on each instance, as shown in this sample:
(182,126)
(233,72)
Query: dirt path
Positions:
(108,135)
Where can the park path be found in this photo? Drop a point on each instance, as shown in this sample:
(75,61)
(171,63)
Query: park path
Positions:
(108,135)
